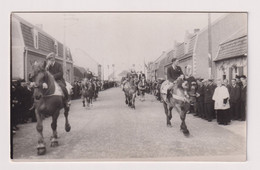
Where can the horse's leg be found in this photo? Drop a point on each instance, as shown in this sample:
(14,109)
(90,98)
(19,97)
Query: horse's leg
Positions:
(87,101)
(183,126)
(41,144)
(126,101)
(133,100)
(91,100)
(129,100)
(168,122)
(83,101)
(54,137)
(170,115)
(66,114)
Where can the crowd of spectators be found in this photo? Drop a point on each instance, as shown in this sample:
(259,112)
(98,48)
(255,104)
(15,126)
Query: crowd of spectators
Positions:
(214,99)
(22,110)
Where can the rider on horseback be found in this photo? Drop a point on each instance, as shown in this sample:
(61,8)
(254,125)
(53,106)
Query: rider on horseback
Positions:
(130,75)
(56,70)
(173,73)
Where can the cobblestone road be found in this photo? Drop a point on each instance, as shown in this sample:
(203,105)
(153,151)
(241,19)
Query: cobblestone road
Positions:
(111,131)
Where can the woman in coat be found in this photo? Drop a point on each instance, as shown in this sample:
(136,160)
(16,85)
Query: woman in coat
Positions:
(221,98)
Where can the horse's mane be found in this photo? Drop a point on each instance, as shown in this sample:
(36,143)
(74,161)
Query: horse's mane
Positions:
(49,79)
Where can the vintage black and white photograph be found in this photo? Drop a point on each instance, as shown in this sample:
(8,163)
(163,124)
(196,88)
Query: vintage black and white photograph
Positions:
(128,86)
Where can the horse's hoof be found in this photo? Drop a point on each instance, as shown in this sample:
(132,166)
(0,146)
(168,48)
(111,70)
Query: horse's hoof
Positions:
(169,125)
(54,143)
(67,127)
(186,132)
(41,151)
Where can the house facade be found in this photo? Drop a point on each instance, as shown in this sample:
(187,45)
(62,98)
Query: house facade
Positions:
(231,60)
(221,29)
(29,44)
(228,50)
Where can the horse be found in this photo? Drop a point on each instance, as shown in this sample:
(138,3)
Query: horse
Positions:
(96,88)
(130,90)
(178,98)
(87,92)
(142,87)
(48,100)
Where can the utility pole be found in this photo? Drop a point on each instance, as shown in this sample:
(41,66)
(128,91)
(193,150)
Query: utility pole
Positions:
(210,59)
(64,47)
(113,65)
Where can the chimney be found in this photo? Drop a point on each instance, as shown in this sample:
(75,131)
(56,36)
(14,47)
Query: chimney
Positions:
(39,26)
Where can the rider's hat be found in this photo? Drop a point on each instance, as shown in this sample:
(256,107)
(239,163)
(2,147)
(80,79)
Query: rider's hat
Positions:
(50,55)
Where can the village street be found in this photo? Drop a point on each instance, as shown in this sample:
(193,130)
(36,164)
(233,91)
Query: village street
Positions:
(109,130)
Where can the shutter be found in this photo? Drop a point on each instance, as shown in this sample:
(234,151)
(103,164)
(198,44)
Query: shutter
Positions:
(240,71)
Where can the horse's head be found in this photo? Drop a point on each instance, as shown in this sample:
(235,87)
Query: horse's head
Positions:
(40,79)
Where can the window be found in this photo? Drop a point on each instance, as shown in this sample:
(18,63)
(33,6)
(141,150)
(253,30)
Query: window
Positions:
(35,39)
(56,47)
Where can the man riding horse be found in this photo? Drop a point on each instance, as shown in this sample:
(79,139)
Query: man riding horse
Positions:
(56,70)
(174,93)
(173,73)
(130,75)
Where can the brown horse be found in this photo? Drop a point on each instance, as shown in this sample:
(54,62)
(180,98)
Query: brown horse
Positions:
(130,89)
(178,99)
(87,92)
(49,100)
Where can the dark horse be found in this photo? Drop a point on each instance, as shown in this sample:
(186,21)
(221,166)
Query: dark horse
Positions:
(178,99)
(48,100)
(142,88)
(130,89)
(87,92)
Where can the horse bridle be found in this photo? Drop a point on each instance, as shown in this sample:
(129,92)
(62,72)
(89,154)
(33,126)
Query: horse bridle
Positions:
(45,80)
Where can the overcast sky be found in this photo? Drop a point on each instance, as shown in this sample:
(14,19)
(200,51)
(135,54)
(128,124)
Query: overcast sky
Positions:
(122,39)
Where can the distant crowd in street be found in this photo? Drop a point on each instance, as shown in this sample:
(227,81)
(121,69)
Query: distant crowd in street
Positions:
(22,110)
(213,99)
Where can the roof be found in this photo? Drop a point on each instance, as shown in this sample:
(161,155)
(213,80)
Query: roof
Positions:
(46,43)
(233,46)
(240,33)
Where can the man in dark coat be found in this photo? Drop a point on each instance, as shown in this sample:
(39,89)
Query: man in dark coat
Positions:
(88,75)
(56,70)
(234,100)
(173,73)
(243,98)
(200,98)
(208,102)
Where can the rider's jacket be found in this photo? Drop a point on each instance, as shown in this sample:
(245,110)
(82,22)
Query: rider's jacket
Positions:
(57,71)
(173,74)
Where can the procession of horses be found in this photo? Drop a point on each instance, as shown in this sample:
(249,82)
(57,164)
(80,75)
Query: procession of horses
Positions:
(49,100)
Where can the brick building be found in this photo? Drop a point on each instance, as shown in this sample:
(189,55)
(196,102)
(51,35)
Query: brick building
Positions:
(228,44)
(231,60)
(29,44)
